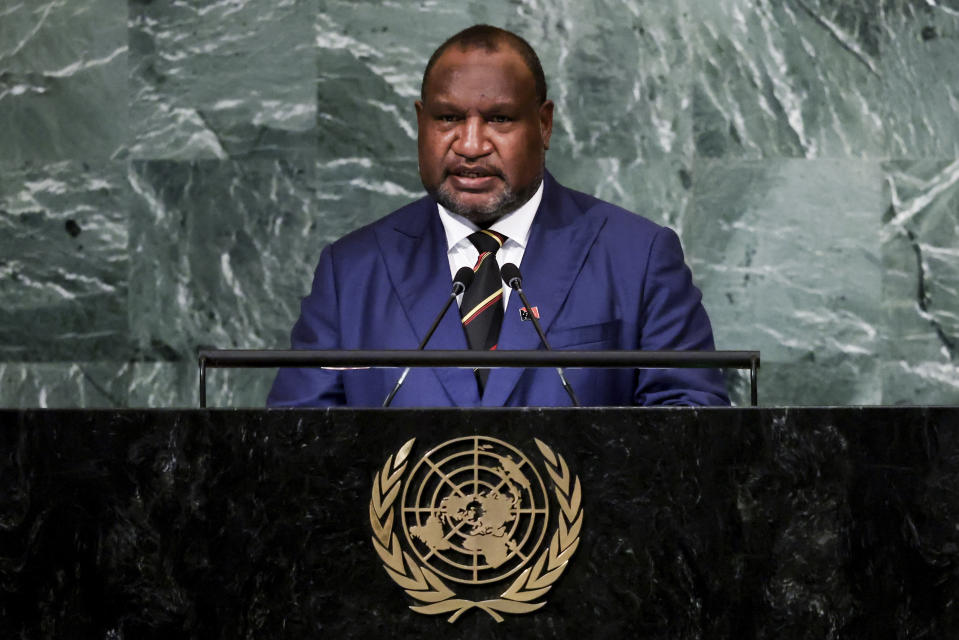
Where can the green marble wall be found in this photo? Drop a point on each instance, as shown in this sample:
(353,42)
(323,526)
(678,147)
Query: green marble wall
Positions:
(169,172)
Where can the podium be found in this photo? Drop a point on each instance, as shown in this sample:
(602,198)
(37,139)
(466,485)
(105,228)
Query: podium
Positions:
(696,523)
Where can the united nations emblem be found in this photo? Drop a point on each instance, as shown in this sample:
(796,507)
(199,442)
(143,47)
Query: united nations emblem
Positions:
(475,511)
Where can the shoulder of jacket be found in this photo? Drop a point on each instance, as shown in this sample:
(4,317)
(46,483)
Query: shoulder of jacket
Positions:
(411,215)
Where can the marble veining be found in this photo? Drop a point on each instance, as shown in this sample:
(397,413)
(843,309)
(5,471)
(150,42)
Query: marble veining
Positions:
(63,92)
(920,244)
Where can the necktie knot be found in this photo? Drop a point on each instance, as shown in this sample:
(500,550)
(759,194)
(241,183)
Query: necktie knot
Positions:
(487,241)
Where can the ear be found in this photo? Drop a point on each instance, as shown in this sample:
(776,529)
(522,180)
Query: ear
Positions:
(418,105)
(546,122)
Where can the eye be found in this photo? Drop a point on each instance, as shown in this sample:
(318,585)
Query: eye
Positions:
(448,117)
(500,119)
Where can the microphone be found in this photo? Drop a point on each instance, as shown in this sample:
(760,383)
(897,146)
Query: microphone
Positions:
(462,280)
(513,279)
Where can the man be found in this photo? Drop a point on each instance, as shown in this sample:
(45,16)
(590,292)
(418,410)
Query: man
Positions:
(599,276)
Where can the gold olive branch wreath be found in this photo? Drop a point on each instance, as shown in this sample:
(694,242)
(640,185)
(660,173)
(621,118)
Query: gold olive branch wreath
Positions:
(422,584)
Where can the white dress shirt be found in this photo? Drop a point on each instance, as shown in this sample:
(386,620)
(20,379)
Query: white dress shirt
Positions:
(515,226)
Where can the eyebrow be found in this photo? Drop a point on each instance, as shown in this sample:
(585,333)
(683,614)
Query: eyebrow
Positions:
(503,105)
(500,105)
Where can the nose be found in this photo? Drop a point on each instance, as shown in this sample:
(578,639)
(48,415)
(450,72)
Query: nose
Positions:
(471,140)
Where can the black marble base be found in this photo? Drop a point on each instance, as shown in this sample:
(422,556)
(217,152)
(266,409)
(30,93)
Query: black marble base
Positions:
(720,523)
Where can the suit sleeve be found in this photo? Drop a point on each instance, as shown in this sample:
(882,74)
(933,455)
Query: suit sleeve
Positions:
(316,328)
(673,318)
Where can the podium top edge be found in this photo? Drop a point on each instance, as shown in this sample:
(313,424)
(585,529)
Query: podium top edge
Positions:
(466,358)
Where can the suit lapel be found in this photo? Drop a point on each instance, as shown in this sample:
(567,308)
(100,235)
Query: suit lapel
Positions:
(559,242)
(414,249)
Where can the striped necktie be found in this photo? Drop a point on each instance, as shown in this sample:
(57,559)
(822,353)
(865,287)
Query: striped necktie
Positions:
(482,305)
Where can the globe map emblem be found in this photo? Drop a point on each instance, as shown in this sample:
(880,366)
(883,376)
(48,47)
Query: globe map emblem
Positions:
(474,510)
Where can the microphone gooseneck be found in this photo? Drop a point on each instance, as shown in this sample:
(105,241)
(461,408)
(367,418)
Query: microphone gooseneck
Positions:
(514,280)
(461,281)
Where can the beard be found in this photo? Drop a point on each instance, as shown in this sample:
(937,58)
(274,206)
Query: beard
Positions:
(506,201)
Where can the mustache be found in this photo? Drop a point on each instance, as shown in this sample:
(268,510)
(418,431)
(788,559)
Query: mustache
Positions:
(472,170)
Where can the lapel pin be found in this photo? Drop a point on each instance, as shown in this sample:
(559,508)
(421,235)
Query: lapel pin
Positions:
(526,316)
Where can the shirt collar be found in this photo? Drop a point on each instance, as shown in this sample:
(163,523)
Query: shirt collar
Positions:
(515,226)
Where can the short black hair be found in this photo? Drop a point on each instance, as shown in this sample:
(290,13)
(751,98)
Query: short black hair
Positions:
(489,38)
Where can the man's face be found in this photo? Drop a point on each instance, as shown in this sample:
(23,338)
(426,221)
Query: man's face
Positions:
(482,133)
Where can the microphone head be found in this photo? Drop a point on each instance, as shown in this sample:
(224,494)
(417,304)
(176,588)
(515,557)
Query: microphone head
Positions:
(462,280)
(511,275)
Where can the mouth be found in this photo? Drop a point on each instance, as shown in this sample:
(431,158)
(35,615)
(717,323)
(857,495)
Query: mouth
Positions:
(472,178)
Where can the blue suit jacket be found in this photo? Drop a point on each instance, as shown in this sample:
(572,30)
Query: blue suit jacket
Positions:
(601,277)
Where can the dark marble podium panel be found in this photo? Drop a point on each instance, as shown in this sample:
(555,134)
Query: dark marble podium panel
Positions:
(719,523)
